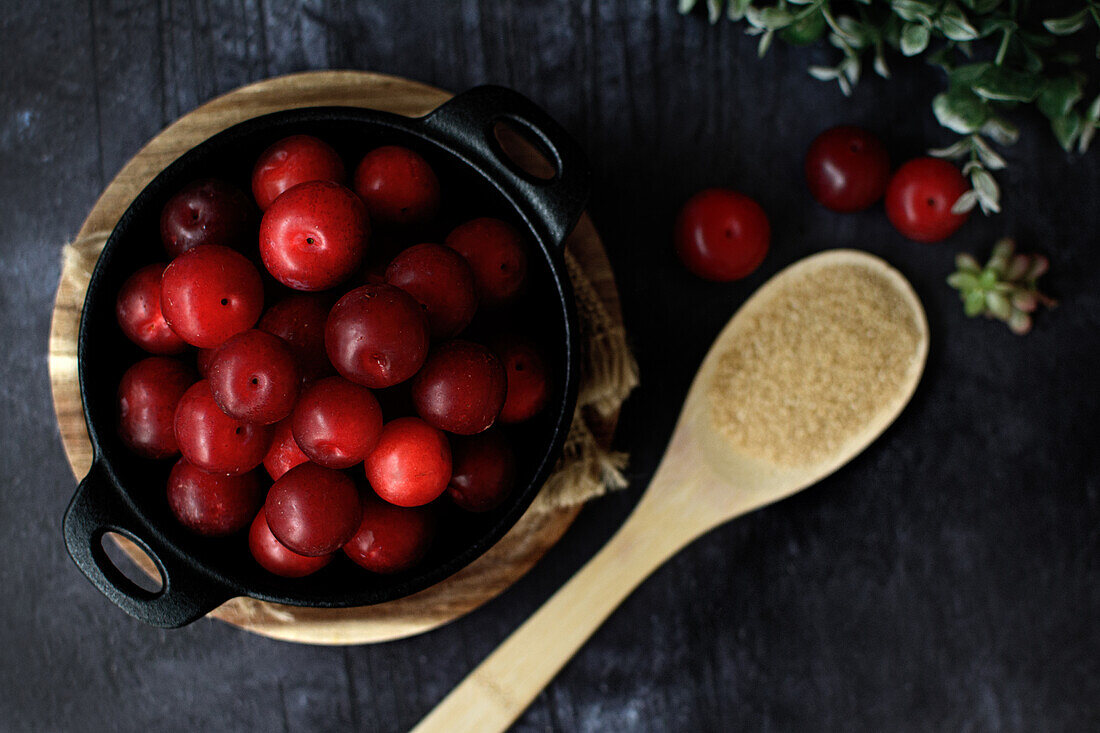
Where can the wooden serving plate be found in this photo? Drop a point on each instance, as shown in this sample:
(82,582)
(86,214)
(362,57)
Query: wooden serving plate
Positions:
(535,533)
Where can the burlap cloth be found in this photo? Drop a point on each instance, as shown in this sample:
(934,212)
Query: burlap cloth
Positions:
(608,373)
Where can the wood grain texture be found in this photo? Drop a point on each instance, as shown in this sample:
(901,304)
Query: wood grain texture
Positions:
(945,580)
(531,537)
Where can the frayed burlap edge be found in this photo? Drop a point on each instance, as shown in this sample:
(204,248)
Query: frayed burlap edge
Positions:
(608,374)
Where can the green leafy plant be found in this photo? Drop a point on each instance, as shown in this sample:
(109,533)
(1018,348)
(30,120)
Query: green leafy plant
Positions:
(1005,288)
(998,55)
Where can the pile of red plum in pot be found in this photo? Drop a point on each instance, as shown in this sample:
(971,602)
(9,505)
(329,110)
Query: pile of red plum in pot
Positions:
(311,368)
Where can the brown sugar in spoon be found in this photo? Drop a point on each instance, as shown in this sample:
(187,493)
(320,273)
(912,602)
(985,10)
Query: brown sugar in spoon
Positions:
(807,373)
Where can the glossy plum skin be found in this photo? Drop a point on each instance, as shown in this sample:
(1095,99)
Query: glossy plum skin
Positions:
(722,235)
(483,473)
(411,463)
(313,510)
(920,197)
(377,336)
(254,377)
(299,320)
(210,293)
(314,236)
(293,160)
(440,279)
(496,255)
(847,169)
(139,314)
(212,504)
(274,557)
(212,440)
(390,538)
(148,395)
(207,211)
(461,388)
(528,379)
(336,422)
(397,185)
(283,454)
(204,359)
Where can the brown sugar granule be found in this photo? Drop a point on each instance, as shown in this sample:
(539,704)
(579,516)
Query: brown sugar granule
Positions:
(812,366)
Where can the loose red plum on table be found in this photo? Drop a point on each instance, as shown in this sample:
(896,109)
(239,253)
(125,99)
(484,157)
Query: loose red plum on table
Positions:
(920,198)
(722,235)
(847,169)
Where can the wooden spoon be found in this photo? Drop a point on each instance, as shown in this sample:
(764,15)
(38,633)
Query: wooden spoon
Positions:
(700,483)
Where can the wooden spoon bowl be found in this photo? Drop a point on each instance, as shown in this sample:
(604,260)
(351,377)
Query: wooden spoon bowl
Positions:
(701,482)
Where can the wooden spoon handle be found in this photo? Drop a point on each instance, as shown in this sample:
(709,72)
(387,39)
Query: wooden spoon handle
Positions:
(501,687)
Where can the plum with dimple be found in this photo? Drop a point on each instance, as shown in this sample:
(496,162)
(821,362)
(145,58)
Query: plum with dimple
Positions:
(210,293)
(314,235)
(254,377)
(377,336)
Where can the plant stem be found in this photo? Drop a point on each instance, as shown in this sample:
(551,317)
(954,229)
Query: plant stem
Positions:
(1003,49)
(831,21)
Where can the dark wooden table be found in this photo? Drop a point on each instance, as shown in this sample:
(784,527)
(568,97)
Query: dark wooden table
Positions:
(949,579)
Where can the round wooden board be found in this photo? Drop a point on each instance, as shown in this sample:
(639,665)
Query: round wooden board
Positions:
(487,577)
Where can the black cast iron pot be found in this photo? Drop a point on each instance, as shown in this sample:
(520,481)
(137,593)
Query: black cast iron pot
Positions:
(125,494)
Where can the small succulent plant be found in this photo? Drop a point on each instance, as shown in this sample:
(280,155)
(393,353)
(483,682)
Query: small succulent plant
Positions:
(1005,288)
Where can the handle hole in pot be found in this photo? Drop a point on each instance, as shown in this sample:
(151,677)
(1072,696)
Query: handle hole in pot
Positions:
(524,149)
(144,574)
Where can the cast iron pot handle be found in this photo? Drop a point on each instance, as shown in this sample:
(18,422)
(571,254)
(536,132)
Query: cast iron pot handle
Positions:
(97,509)
(467,121)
